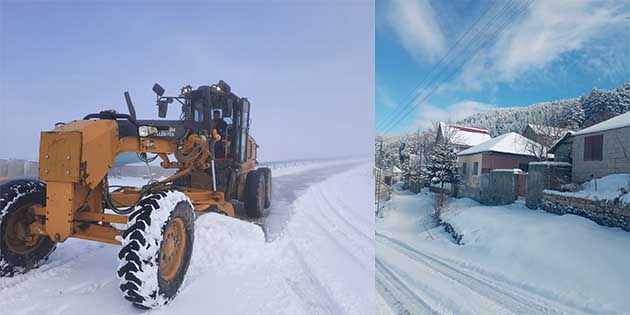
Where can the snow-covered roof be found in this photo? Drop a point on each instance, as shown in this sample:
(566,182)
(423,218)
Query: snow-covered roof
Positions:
(463,135)
(511,143)
(620,121)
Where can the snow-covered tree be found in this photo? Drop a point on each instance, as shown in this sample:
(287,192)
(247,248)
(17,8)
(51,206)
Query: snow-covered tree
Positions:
(442,165)
(595,107)
(574,117)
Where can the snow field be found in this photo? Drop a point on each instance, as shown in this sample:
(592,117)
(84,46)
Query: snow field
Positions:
(514,261)
(606,188)
(321,264)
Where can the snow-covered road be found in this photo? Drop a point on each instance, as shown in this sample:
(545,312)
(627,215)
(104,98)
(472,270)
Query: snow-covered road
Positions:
(442,280)
(316,258)
(515,261)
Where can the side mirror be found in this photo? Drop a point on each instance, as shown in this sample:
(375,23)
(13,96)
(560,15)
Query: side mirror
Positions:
(158,89)
(162,108)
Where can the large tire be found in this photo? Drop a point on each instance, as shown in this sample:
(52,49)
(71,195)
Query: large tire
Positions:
(18,255)
(153,260)
(268,187)
(255,194)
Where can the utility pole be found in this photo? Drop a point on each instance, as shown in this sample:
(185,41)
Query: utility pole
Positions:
(378,163)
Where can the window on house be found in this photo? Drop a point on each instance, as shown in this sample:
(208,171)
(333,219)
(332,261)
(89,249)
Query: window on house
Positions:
(593,148)
(475,168)
(464,169)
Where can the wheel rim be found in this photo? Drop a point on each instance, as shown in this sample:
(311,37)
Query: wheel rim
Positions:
(173,248)
(16,233)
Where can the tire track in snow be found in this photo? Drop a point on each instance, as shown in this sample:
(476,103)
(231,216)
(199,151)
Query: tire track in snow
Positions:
(316,294)
(354,238)
(510,298)
(338,213)
(394,288)
(335,240)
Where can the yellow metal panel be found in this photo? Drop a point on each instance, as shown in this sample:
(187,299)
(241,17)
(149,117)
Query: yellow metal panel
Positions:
(97,232)
(100,217)
(80,150)
(100,140)
(61,203)
(60,156)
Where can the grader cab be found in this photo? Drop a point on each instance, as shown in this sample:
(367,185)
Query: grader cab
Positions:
(154,223)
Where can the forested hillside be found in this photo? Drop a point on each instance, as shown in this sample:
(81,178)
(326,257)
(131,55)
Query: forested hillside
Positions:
(408,151)
(574,113)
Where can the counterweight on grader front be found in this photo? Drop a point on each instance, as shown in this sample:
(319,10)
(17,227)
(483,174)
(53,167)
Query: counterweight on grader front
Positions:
(73,197)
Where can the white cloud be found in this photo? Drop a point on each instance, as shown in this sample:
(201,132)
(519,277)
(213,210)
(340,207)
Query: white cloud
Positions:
(385,98)
(416,27)
(543,35)
(428,114)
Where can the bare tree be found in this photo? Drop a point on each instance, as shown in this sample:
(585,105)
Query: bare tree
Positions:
(544,133)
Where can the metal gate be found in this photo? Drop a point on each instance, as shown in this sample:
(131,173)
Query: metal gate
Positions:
(522,185)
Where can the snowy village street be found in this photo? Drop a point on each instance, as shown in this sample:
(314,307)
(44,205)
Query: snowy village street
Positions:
(513,261)
(317,259)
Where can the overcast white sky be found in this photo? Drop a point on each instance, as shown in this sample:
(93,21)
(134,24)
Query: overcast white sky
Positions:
(308,69)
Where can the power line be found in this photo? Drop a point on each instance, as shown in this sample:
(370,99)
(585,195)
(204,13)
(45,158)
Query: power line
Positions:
(498,31)
(441,61)
(476,37)
(477,50)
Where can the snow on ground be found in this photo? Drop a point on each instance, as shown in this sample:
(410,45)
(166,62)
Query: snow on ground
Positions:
(606,188)
(514,261)
(321,264)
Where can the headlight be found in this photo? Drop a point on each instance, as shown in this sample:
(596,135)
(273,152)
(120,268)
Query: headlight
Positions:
(187,89)
(145,131)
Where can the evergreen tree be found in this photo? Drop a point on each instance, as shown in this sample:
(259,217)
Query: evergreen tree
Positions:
(574,117)
(442,165)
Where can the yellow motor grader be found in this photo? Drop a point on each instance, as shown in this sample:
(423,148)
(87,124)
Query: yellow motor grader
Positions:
(153,223)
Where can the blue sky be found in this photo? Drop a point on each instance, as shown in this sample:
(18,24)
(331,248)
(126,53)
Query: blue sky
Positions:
(548,51)
(307,68)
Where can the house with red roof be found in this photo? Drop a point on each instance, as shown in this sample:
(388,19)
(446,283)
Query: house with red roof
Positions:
(463,137)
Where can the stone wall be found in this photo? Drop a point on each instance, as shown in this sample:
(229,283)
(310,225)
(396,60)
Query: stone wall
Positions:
(448,228)
(604,212)
(545,175)
(614,159)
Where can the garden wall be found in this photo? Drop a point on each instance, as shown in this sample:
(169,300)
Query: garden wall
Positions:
(604,212)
